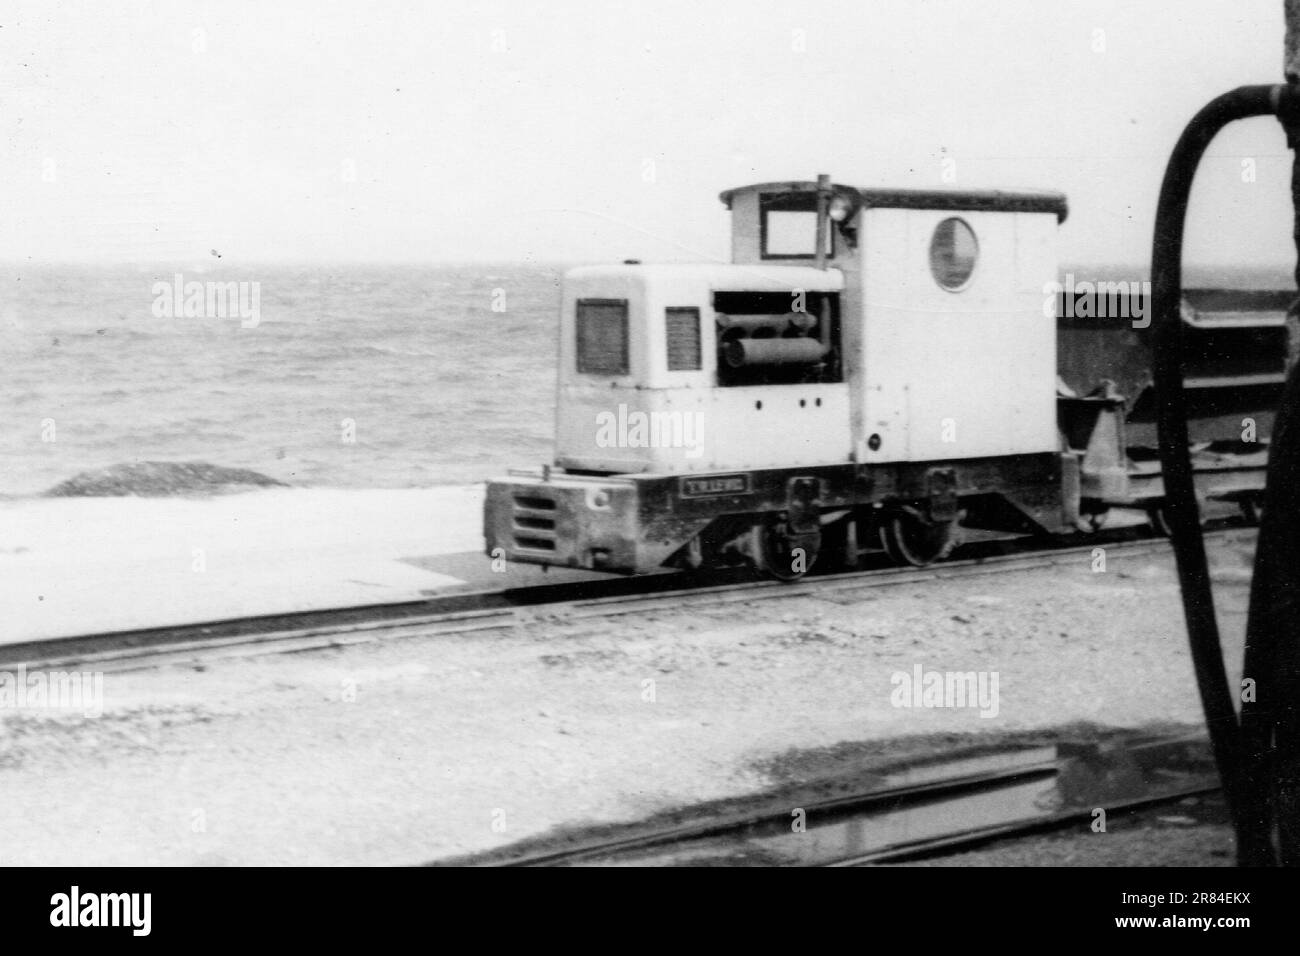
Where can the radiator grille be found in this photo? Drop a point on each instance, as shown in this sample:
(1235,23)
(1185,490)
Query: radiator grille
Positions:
(602,336)
(683,330)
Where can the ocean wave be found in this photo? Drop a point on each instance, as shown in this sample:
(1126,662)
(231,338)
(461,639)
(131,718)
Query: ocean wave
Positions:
(407,353)
(410,353)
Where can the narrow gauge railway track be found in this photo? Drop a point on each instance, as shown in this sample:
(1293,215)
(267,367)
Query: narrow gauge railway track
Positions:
(492,609)
(958,803)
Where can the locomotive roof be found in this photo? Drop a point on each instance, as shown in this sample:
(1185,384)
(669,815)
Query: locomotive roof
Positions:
(723,276)
(991,200)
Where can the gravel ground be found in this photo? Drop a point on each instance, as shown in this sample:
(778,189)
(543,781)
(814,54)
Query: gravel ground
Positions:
(428,747)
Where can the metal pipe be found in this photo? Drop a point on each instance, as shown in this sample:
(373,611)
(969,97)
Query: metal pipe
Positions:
(802,351)
(824,326)
(755,322)
(1250,813)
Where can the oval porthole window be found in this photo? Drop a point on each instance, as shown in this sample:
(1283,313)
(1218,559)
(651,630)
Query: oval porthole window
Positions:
(953,251)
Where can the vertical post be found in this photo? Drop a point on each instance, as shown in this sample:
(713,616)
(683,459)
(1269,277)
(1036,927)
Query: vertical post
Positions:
(823,217)
(1270,712)
(1291,69)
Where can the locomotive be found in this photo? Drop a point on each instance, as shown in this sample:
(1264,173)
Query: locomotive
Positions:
(875,369)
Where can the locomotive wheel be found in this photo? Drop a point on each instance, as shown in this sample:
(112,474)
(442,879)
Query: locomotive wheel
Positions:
(910,539)
(775,551)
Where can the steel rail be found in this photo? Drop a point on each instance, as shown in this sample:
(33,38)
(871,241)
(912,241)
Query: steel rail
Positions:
(947,796)
(981,836)
(886,799)
(495,609)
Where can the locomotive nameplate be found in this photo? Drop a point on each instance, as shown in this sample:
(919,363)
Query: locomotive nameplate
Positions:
(715,486)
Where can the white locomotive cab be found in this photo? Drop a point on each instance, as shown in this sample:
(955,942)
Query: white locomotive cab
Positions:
(673,369)
(948,351)
(955,357)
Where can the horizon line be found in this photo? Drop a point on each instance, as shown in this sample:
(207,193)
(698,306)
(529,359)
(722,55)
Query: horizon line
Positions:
(1144,264)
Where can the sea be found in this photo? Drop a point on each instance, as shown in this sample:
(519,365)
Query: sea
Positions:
(362,376)
(352,377)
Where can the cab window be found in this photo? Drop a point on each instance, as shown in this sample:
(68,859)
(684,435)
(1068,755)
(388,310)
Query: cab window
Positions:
(788,226)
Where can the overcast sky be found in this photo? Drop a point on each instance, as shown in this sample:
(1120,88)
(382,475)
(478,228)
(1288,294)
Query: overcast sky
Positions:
(600,130)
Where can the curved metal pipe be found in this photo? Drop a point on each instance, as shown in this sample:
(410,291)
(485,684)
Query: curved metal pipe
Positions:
(1247,801)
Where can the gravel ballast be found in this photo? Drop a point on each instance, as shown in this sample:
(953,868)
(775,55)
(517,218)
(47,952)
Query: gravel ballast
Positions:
(425,747)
